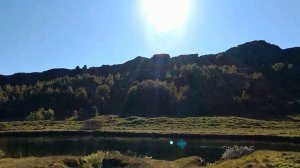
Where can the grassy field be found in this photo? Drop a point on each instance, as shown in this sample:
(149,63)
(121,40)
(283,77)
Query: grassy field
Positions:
(266,159)
(191,125)
(261,159)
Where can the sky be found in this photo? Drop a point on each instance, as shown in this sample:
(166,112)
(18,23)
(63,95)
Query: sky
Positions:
(37,35)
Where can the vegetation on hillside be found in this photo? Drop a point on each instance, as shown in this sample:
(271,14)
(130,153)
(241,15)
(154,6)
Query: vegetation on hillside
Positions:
(255,79)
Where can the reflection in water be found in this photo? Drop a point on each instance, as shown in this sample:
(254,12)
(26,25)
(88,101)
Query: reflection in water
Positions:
(158,148)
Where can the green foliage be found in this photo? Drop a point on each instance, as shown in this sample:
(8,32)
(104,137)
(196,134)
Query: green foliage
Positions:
(229,83)
(117,76)
(151,97)
(103,91)
(35,116)
(191,89)
(278,66)
(256,75)
(41,114)
(48,114)
(245,96)
(282,66)
(81,93)
(229,69)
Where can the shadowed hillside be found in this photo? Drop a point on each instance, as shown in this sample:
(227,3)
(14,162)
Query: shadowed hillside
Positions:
(255,79)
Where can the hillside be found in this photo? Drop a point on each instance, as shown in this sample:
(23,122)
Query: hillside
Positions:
(255,79)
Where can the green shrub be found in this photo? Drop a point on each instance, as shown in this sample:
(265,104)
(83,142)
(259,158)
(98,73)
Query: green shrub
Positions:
(41,114)
(48,114)
(35,116)
(256,75)
(278,66)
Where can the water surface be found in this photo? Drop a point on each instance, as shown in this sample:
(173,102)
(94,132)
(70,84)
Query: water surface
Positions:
(158,148)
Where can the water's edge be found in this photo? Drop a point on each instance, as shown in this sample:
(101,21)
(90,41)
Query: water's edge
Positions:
(150,135)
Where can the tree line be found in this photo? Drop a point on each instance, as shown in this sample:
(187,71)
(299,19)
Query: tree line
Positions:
(186,90)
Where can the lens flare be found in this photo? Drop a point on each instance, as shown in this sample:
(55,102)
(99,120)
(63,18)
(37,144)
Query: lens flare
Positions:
(181,144)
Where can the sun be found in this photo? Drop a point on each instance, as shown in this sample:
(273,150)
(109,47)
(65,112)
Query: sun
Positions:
(166,15)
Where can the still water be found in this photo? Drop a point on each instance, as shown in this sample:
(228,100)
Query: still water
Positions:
(159,148)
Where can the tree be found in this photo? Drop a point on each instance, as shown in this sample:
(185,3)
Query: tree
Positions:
(81,93)
(168,76)
(102,95)
(110,80)
(151,98)
(117,76)
(103,91)
(256,75)
(41,114)
(48,114)
(70,90)
(278,66)
(84,67)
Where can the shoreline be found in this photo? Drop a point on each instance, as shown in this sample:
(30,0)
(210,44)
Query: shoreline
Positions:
(146,135)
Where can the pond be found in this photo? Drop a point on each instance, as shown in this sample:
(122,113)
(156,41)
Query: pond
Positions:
(159,148)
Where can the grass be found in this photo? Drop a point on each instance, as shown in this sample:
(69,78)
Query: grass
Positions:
(259,159)
(34,162)
(192,125)
(266,159)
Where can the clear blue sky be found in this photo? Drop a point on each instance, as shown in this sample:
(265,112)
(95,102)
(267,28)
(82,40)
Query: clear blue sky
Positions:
(36,35)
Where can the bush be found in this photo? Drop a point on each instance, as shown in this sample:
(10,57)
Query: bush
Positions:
(237,152)
(41,114)
(278,66)
(2,154)
(35,116)
(91,125)
(48,114)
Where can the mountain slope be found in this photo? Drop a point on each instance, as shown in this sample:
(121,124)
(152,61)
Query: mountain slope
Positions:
(253,79)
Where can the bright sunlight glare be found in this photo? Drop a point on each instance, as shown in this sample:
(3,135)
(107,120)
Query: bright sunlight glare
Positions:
(166,15)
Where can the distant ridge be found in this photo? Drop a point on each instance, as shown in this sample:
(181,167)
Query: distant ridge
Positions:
(248,55)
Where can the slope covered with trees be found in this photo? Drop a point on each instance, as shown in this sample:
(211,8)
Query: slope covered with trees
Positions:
(255,79)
